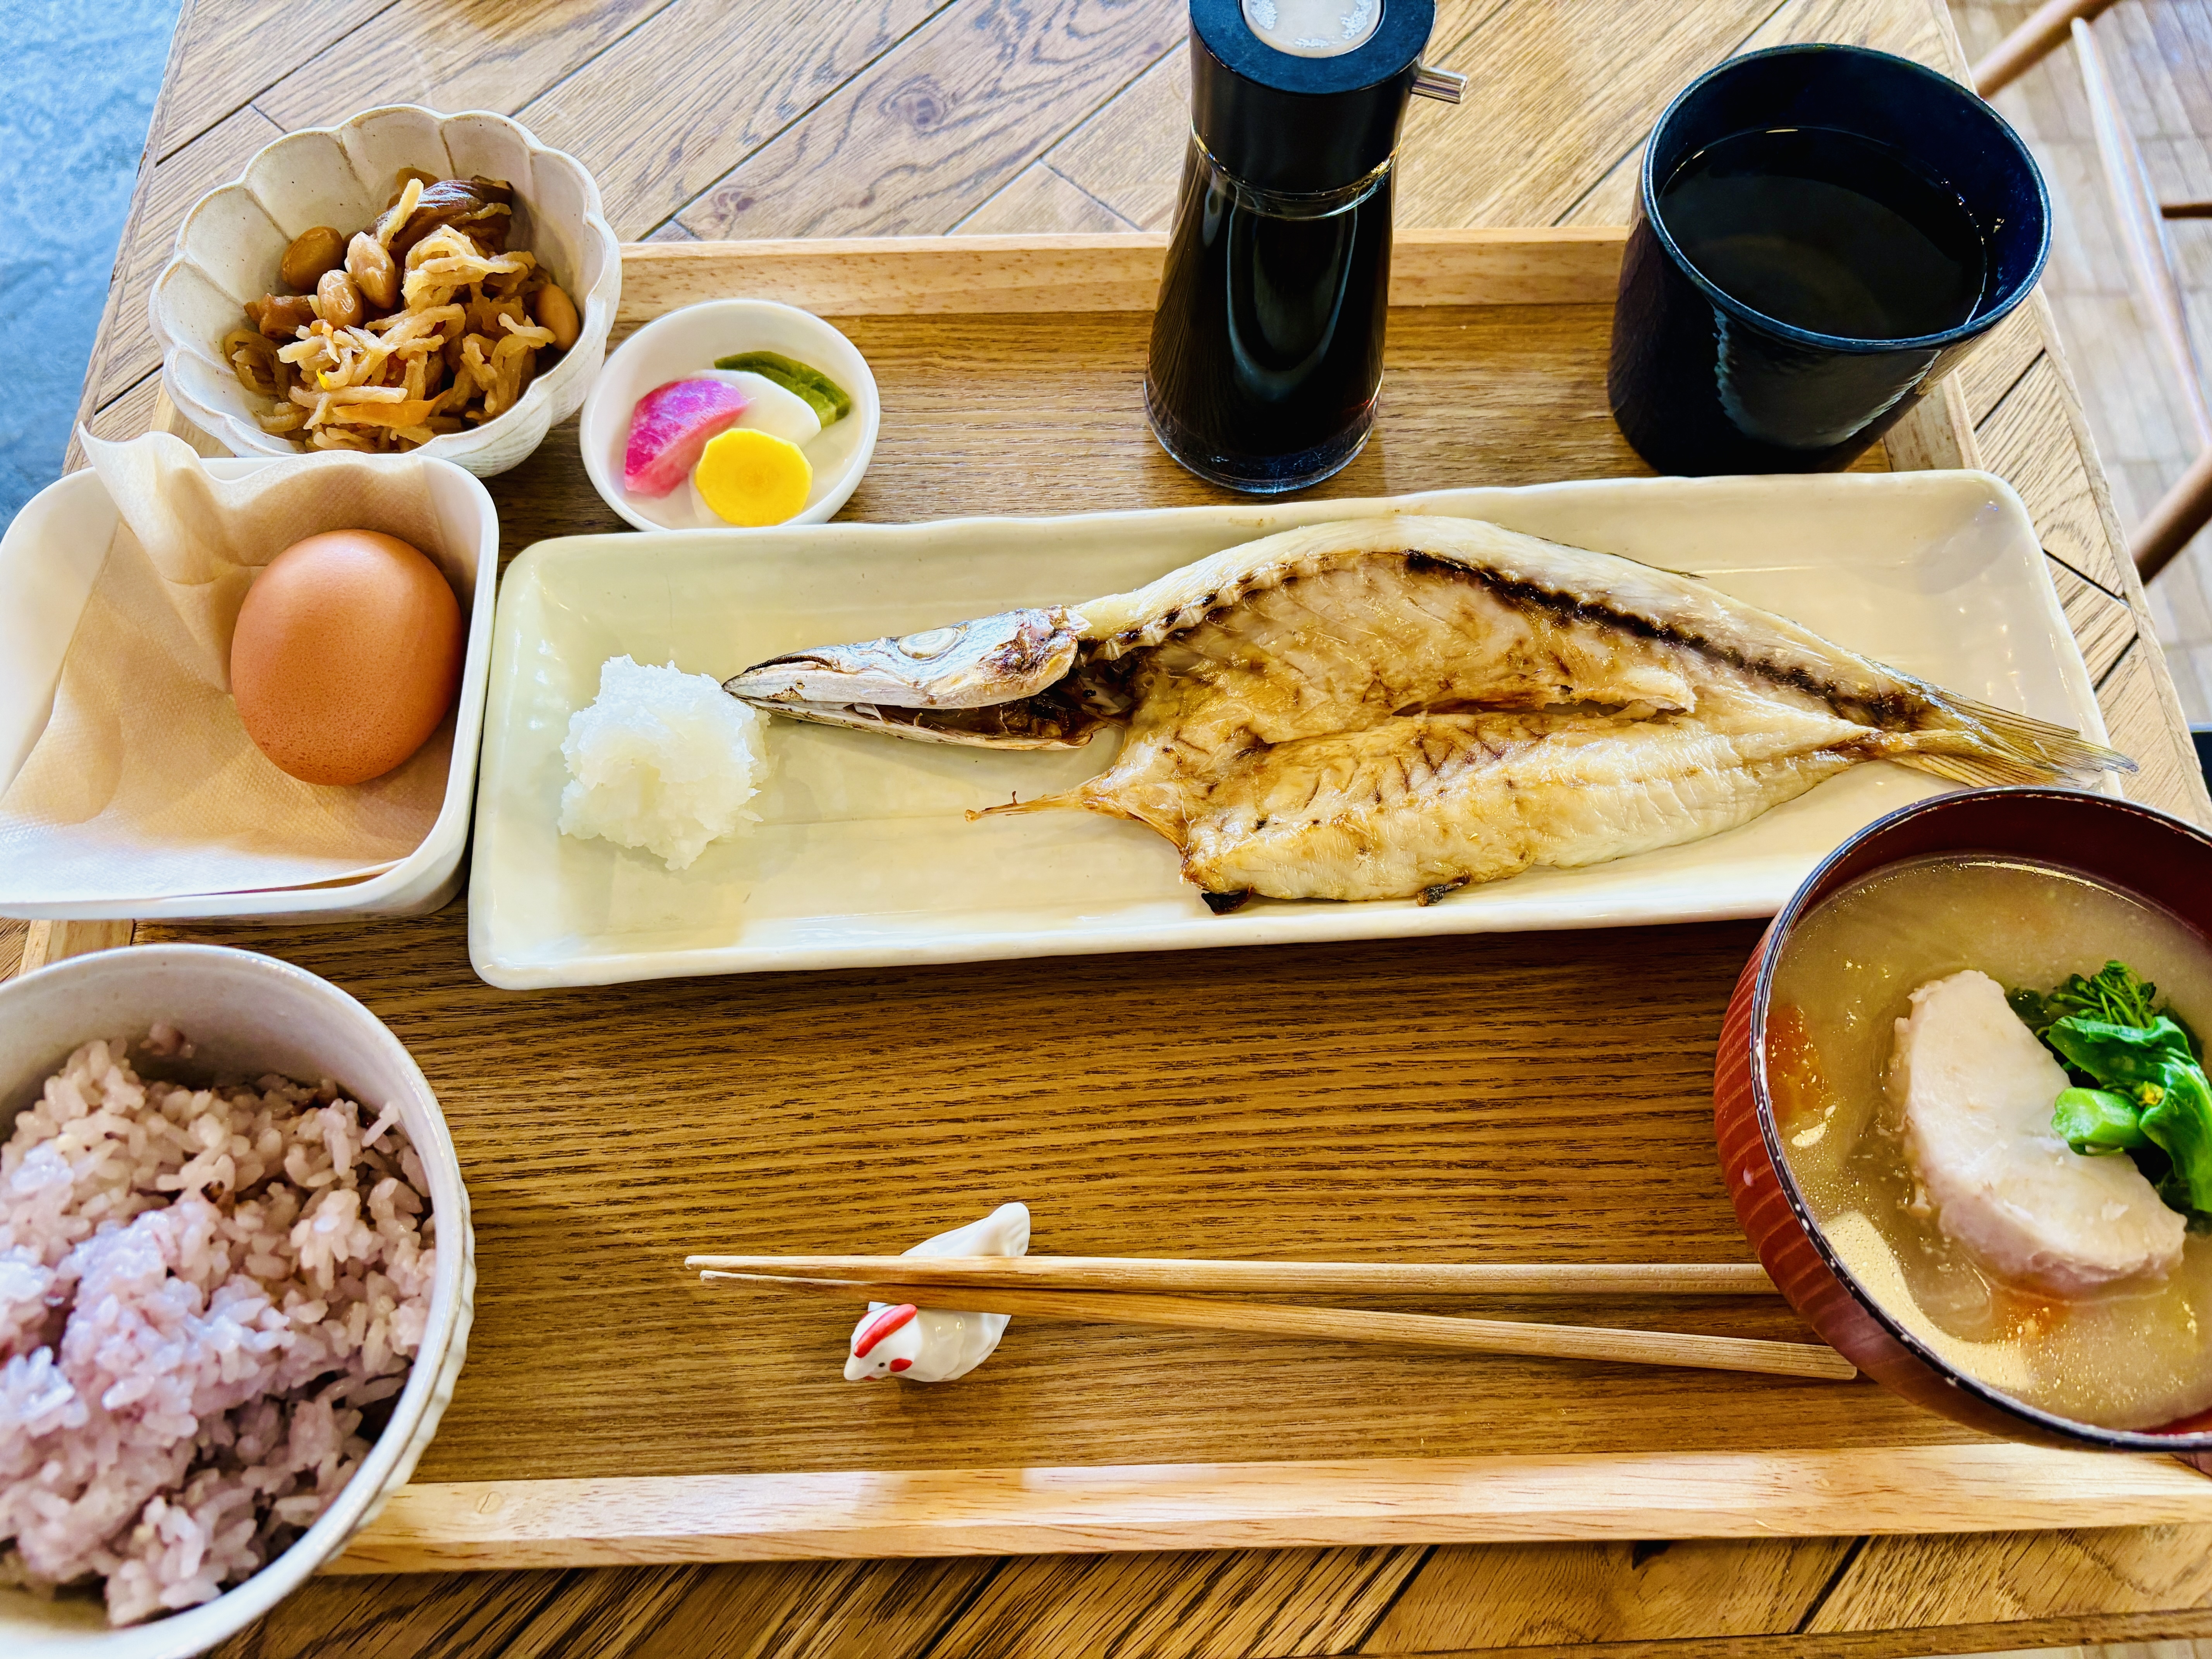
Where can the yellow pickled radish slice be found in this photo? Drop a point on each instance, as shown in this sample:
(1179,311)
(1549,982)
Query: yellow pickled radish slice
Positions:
(752,478)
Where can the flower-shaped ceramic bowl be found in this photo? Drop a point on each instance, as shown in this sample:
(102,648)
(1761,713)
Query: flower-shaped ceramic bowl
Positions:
(232,241)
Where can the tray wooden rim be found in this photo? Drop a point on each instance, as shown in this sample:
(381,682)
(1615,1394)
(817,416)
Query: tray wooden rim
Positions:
(915,275)
(856,1514)
(1982,1486)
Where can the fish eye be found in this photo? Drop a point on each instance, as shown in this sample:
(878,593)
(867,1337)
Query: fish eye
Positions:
(930,642)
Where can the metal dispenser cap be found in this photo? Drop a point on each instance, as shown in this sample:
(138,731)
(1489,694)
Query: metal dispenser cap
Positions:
(1303,96)
(1314,28)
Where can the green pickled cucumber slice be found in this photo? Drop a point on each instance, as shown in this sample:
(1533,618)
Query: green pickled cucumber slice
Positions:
(830,401)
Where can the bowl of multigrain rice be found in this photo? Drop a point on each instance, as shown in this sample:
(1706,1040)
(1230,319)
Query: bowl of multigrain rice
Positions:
(236,1280)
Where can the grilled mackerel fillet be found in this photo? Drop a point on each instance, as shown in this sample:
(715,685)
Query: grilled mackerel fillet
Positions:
(1391,708)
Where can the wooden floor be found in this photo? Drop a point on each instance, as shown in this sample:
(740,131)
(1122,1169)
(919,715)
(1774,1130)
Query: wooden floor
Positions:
(2159,53)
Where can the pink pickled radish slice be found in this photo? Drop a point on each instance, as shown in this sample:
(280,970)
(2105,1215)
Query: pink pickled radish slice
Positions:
(669,426)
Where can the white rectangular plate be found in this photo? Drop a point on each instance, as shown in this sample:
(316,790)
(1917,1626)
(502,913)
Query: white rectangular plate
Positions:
(864,858)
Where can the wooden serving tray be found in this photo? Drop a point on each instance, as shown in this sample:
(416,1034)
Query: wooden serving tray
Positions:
(1530,1097)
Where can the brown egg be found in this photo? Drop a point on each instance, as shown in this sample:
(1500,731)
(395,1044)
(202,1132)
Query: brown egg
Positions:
(347,655)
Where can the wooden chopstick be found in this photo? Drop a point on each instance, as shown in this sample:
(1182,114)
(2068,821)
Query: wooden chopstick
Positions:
(1726,1353)
(1109,1272)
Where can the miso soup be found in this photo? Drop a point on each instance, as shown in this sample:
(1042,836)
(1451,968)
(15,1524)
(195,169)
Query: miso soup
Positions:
(2131,1355)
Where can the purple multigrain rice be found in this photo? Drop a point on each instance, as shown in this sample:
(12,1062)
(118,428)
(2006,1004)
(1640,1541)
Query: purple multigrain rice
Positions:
(201,1292)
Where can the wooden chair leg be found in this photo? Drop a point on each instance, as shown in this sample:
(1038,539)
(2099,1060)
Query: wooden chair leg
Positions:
(2181,513)
(2143,233)
(2032,42)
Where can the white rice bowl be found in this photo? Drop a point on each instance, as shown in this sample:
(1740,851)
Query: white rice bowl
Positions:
(174,1405)
(202,1291)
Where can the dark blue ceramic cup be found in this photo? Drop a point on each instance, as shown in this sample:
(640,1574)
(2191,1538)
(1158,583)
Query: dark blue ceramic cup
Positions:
(1702,381)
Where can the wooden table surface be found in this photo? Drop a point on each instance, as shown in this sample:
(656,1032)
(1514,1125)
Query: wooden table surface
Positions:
(719,118)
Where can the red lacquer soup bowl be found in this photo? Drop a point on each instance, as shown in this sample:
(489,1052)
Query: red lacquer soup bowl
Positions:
(2130,848)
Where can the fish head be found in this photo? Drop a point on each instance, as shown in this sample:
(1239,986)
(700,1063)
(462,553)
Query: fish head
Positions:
(969,664)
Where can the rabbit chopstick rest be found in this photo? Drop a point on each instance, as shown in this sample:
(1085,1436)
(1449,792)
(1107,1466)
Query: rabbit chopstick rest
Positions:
(925,1344)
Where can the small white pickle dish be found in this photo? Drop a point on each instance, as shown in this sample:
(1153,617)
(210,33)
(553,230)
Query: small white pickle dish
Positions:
(684,344)
(51,558)
(246,1015)
(230,244)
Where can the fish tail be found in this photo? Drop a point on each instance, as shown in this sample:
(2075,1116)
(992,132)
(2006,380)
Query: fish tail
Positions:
(1977,771)
(1985,746)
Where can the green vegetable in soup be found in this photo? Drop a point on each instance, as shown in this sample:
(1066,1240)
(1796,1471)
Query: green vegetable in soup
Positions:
(2117,994)
(2095,1121)
(830,401)
(2153,1068)
(2140,1086)
(2134,1059)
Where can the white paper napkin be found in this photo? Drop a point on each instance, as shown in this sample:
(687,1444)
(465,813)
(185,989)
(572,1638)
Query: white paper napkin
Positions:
(144,784)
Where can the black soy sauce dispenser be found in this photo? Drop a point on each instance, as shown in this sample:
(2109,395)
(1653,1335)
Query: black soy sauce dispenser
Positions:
(1267,349)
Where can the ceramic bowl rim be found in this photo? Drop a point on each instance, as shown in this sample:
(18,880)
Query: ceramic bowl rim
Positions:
(1936,84)
(1770,954)
(610,488)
